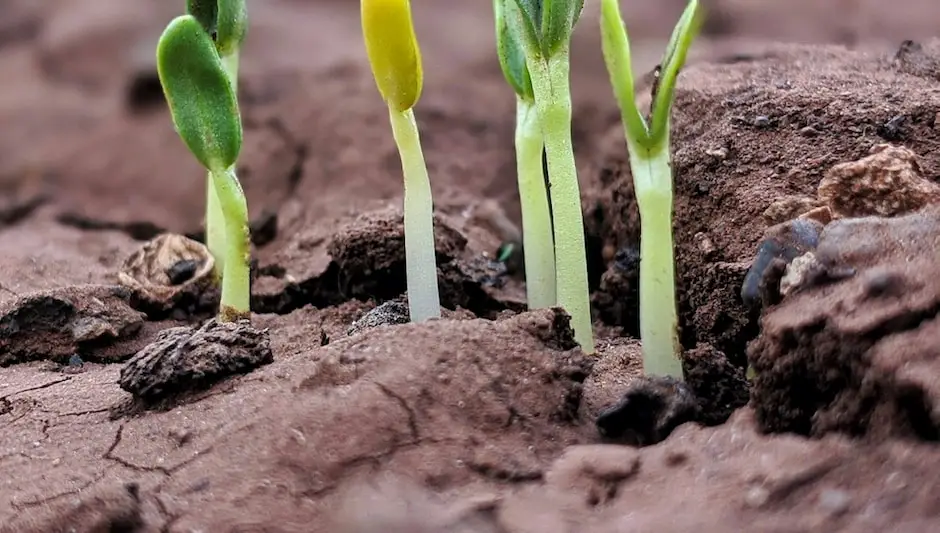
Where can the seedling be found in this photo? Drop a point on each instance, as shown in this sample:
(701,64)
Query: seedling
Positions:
(650,164)
(538,242)
(205,112)
(226,21)
(543,28)
(393,52)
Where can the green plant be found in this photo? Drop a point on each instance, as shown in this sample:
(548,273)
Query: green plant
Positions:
(226,21)
(205,112)
(650,164)
(395,58)
(543,28)
(538,242)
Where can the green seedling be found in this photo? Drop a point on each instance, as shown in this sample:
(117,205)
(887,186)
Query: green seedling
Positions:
(395,58)
(543,29)
(538,242)
(650,164)
(205,113)
(226,21)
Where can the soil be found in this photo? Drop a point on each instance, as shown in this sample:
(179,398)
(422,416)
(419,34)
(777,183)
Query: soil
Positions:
(806,179)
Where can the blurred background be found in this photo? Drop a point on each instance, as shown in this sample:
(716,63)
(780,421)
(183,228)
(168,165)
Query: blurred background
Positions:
(66,67)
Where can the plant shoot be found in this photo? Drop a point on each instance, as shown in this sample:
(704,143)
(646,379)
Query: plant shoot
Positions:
(537,239)
(395,58)
(543,29)
(650,165)
(226,21)
(205,113)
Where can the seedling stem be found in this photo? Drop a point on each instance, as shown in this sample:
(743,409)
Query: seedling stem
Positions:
(537,239)
(420,258)
(651,166)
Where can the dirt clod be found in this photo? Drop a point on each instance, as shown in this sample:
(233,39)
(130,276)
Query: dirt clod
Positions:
(185,359)
(837,356)
(889,182)
(649,410)
(96,321)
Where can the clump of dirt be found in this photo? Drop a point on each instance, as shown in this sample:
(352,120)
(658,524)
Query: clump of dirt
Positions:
(97,322)
(762,128)
(853,355)
(185,359)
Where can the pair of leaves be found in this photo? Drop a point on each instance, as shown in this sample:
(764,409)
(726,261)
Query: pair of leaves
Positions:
(616,47)
(549,23)
(392,47)
(201,98)
(225,20)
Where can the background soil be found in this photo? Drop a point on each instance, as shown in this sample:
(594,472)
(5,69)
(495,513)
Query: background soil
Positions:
(463,425)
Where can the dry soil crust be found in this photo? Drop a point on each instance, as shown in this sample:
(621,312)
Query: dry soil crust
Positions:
(464,424)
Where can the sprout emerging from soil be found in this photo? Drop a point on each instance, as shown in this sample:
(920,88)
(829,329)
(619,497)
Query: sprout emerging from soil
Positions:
(650,164)
(543,29)
(205,112)
(393,52)
(227,22)
(538,242)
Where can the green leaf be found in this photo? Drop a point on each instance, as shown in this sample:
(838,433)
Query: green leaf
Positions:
(616,47)
(531,13)
(558,20)
(512,58)
(206,12)
(232,26)
(201,99)
(549,23)
(687,28)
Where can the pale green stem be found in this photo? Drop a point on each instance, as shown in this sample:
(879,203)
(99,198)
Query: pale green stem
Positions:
(420,257)
(550,84)
(215,222)
(537,239)
(659,321)
(236,283)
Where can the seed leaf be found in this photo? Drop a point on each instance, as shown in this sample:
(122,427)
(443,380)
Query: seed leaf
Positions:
(232,26)
(616,47)
(511,54)
(201,99)
(392,47)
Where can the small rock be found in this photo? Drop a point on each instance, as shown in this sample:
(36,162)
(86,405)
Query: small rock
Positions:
(761,121)
(788,208)
(889,182)
(185,358)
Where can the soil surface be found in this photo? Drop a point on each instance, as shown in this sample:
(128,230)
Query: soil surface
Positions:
(806,180)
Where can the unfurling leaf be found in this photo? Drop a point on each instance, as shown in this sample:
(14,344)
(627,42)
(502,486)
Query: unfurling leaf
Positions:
(226,21)
(511,54)
(549,23)
(393,51)
(232,26)
(201,99)
(206,12)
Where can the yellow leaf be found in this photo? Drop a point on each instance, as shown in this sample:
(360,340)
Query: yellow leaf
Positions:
(393,51)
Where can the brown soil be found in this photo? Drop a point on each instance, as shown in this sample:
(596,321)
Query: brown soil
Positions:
(331,414)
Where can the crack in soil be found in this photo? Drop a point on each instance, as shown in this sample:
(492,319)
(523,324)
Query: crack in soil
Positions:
(21,506)
(37,387)
(110,455)
(409,411)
